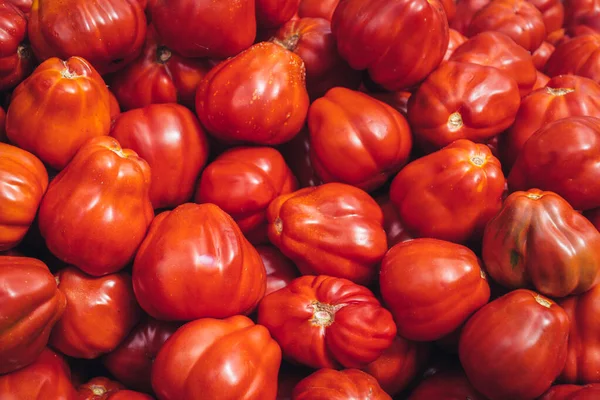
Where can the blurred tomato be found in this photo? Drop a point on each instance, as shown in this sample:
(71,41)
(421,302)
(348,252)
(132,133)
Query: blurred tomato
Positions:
(542,55)
(465,10)
(553,13)
(392,224)
(572,392)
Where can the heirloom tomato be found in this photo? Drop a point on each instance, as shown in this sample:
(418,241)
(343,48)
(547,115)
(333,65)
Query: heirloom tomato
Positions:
(280,269)
(465,10)
(541,82)
(274,13)
(575,10)
(30,305)
(196,263)
(586,24)
(329,384)
(578,56)
(542,55)
(397,100)
(450,194)
(317,8)
(296,153)
(99,388)
(553,13)
(96,211)
(169,137)
(572,392)
(327,322)
(108,33)
(446,385)
(16,60)
(71,104)
(392,224)
(243,181)
(356,139)
(228,359)
(399,42)
(258,96)
(456,39)
(563,157)
(333,229)
(129,395)
(515,347)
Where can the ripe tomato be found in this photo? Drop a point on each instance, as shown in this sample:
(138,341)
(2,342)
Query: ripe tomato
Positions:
(446,385)
(274,13)
(329,384)
(578,56)
(99,388)
(16,60)
(317,8)
(456,39)
(281,271)
(392,224)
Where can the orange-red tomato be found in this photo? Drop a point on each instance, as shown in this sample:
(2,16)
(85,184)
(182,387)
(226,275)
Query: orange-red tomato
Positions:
(16,60)
(541,81)
(329,384)
(578,56)
(553,13)
(456,39)
(542,55)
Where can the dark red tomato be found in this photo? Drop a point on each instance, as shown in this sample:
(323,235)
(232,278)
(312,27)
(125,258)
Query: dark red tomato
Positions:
(575,10)
(16,60)
(280,269)
(392,224)
(465,10)
(572,392)
(243,181)
(553,13)
(446,385)
(329,384)
(317,8)
(578,56)
(169,137)
(297,155)
(2,126)
(159,75)
(108,34)
(115,108)
(542,55)
(99,388)
(456,39)
(515,346)
(567,164)
(588,23)
(326,322)
(23,5)
(129,395)
(431,287)
(397,58)
(274,13)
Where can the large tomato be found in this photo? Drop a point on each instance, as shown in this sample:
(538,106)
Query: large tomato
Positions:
(30,305)
(393,226)
(96,211)
(542,55)
(465,10)
(229,359)
(16,60)
(98,388)
(562,157)
(450,194)
(274,13)
(196,263)
(329,384)
(52,133)
(205,28)
(537,238)
(326,322)
(317,8)
(578,56)
(371,140)
(515,346)
(446,385)
(576,10)
(431,287)
(398,41)
(462,100)
(23,182)
(281,271)
(170,138)
(242,182)
(456,39)
(258,96)
(553,13)
(333,229)
(109,33)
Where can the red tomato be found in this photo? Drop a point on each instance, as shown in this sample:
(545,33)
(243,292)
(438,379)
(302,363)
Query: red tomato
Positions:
(567,164)
(195,263)
(326,322)
(242,182)
(399,57)
(392,224)
(542,55)
(115,108)
(51,133)
(170,138)
(450,194)
(575,10)
(30,305)
(258,96)
(572,392)
(317,8)
(158,76)
(47,378)
(397,100)
(446,385)
(449,9)
(372,141)
(553,13)
(541,82)
(297,155)
(2,126)
(99,388)
(23,5)
(229,359)
(588,23)
(274,13)
(280,269)
(462,100)
(108,34)
(333,229)
(578,56)
(227,26)
(515,346)
(329,384)
(431,287)
(456,39)
(129,395)
(16,60)
(465,10)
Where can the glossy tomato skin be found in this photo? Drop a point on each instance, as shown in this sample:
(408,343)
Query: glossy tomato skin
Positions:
(519,19)
(465,10)
(462,101)
(229,359)
(523,330)
(577,155)
(274,13)
(327,322)
(431,287)
(158,75)
(392,224)
(496,49)
(48,377)
(449,9)
(456,39)
(23,182)
(281,271)
(446,385)
(243,181)
(333,229)
(50,133)
(260,96)
(372,141)
(97,210)
(578,56)
(542,55)
(16,60)
(553,13)
(542,81)
(396,58)
(196,263)
(317,8)
(329,384)
(109,33)
(99,388)
(169,137)
(537,238)
(313,41)
(31,305)
(450,194)
(131,362)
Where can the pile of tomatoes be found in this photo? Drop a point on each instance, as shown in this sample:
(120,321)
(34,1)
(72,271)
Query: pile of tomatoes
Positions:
(299,199)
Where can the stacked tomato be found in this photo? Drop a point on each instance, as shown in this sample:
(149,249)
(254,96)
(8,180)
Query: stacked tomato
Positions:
(299,199)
